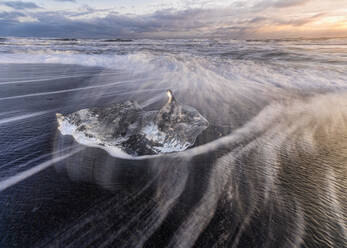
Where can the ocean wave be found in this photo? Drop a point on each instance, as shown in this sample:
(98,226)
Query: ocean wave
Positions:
(321,51)
(199,81)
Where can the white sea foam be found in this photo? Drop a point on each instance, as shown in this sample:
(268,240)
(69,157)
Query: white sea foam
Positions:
(112,61)
(190,62)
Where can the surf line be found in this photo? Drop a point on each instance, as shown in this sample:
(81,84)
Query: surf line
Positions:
(9,182)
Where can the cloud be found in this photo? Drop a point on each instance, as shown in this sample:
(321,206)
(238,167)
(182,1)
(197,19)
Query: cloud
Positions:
(161,23)
(295,22)
(279,4)
(164,23)
(65,1)
(304,21)
(10,15)
(236,21)
(289,3)
(18,5)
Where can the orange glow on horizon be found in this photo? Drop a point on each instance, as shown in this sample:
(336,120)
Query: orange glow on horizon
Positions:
(334,26)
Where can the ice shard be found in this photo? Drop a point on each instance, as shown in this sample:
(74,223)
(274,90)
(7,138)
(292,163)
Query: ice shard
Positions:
(126,126)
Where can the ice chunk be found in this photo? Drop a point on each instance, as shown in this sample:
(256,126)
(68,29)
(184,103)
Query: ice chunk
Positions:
(137,132)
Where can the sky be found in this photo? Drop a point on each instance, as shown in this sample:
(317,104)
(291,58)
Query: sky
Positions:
(236,19)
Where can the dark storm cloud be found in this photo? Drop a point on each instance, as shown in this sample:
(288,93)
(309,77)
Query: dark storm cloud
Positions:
(196,22)
(51,29)
(55,24)
(10,15)
(20,5)
(191,23)
(114,24)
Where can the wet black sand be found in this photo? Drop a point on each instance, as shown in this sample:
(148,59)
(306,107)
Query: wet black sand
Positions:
(40,207)
(53,207)
(277,181)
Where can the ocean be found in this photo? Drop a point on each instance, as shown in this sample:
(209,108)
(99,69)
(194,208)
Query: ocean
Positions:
(270,171)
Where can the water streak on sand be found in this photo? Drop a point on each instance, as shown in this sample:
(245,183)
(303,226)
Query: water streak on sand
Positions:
(58,78)
(69,90)
(22,117)
(32,171)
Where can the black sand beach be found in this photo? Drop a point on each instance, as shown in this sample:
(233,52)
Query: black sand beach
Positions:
(269,171)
